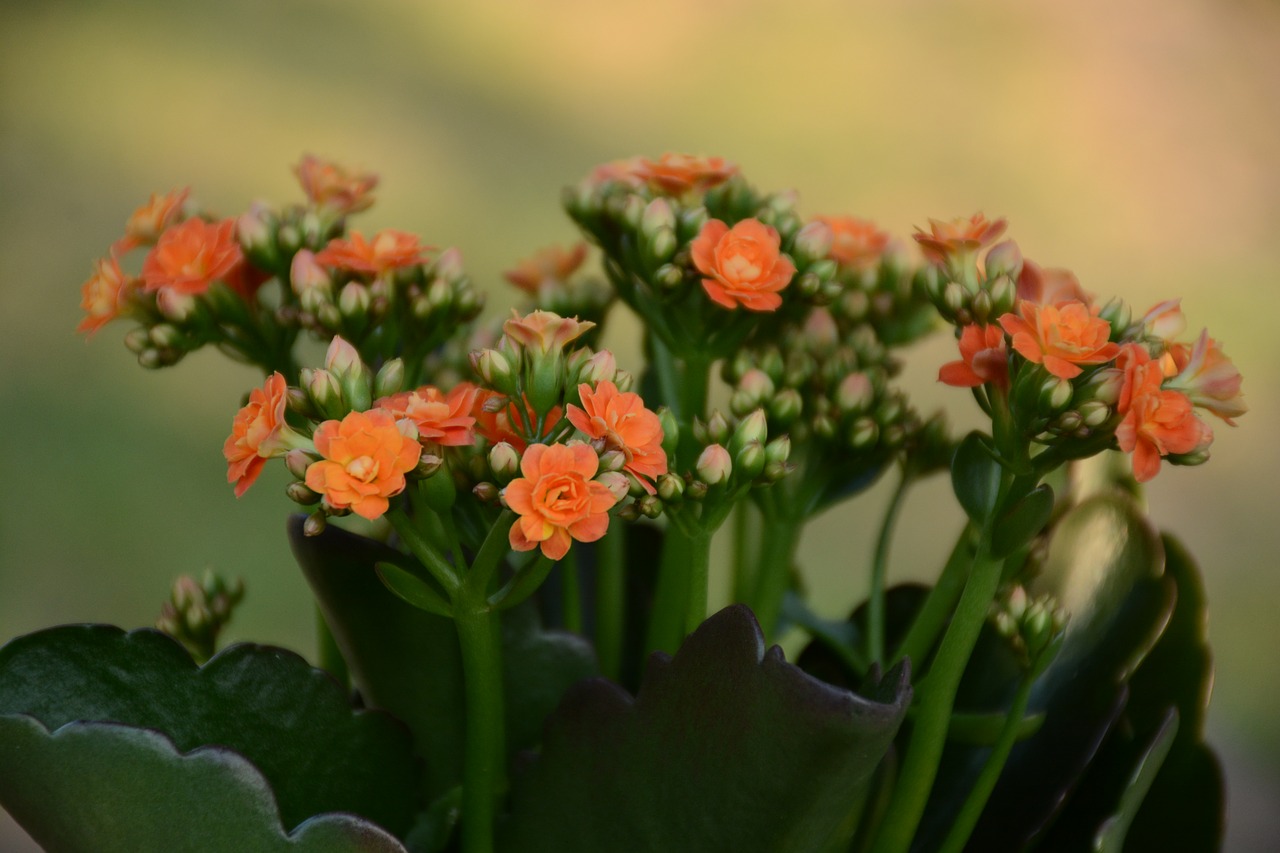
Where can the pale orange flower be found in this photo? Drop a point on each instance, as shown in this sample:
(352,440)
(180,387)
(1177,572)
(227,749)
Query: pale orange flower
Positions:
(104,296)
(1165,320)
(147,222)
(984,358)
(366,456)
(1061,337)
(440,418)
(1049,286)
(620,421)
(855,243)
(255,433)
(620,171)
(557,499)
(1208,378)
(552,264)
(744,265)
(330,185)
(1156,425)
(956,236)
(389,250)
(1142,375)
(192,255)
(544,331)
(677,174)
(504,424)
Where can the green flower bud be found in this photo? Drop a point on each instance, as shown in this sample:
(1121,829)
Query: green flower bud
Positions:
(855,394)
(495,371)
(670,487)
(778,450)
(717,428)
(954,299)
(650,506)
(772,364)
(812,243)
(613,460)
(714,465)
(300,494)
(750,461)
(485,492)
(696,491)
(1055,394)
(1004,259)
(504,461)
(137,341)
(670,431)
(1004,296)
(297,462)
(353,302)
(807,285)
(668,277)
(691,222)
(753,428)
(315,524)
(1094,413)
(390,379)
(785,407)
(864,433)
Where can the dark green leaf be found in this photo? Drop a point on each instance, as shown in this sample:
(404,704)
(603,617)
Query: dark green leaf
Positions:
(413,590)
(291,720)
(975,476)
(726,747)
(1022,522)
(107,788)
(1111,836)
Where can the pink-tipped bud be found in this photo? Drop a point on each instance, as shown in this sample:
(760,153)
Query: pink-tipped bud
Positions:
(504,461)
(813,242)
(855,393)
(485,492)
(1005,258)
(714,465)
(297,462)
(1165,320)
(717,428)
(306,274)
(342,358)
(618,483)
(601,367)
(657,216)
(670,487)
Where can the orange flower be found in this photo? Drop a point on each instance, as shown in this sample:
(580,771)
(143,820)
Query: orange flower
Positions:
(366,456)
(390,250)
(255,433)
(104,296)
(983,359)
(440,418)
(676,174)
(1142,376)
(620,171)
(1208,378)
(1156,425)
(504,424)
(957,236)
(557,499)
(621,422)
(743,264)
(330,185)
(1049,286)
(855,243)
(544,331)
(147,222)
(191,256)
(552,264)
(1061,337)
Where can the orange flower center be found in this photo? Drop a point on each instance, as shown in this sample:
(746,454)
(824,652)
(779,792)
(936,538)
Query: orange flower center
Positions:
(363,468)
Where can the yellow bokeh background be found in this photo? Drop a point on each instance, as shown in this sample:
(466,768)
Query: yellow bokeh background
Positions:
(1136,143)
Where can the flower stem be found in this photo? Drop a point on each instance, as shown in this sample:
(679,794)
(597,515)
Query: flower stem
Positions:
(670,600)
(699,574)
(611,600)
(483,747)
(937,607)
(778,541)
(330,656)
(879,569)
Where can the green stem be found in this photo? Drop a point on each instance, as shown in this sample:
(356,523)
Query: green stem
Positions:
(879,569)
(571,593)
(412,538)
(611,600)
(778,541)
(670,600)
(744,565)
(331,659)
(483,747)
(938,605)
(699,575)
(967,819)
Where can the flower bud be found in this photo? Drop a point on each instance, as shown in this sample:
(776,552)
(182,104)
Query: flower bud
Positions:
(774,471)
(755,388)
(650,506)
(785,407)
(297,462)
(630,512)
(624,380)
(670,431)
(300,494)
(177,307)
(807,285)
(1095,413)
(753,428)
(390,379)
(256,231)
(778,450)
(668,277)
(353,302)
(325,393)
(1004,295)
(714,465)
(691,222)
(618,483)
(1055,394)
(954,299)
(1005,259)
(864,433)
(855,394)
(305,274)
(137,341)
(504,461)
(750,461)
(601,367)
(670,487)
(495,371)
(165,336)
(1118,314)
(428,465)
(633,209)
(485,492)
(717,428)
(820,331)
(315,524)
(812,243)
(696,491)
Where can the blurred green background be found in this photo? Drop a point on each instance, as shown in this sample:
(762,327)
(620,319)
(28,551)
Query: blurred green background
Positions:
(1136,143)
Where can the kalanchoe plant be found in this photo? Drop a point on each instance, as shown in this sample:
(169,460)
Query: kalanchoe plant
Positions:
(520,638)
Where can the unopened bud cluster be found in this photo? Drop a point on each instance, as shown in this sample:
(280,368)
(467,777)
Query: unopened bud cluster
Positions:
(197,611)
(968,290)
(1029,625)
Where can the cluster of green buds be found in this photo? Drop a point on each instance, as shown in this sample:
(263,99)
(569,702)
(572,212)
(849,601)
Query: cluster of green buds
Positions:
(1053,410)
(197,611)
(965,285)
(1031,626)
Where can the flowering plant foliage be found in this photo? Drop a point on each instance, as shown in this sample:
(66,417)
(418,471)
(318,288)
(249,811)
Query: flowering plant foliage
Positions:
(514,478)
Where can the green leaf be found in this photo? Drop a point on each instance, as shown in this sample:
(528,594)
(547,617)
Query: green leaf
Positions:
(1111,836)
(291,720)
(93,787)
(726,747)
(406,660)
(413,590)
(975,476)
(1022,522)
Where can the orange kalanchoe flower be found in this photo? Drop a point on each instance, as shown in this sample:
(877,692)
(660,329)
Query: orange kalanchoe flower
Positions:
(557,499)
(545,331)
(191,256)
(1061,337)
(677,174)
(440,418)
(855,243)
(620,421)
(744,265)
(256,433)
(104,296)
(389,250)
(957,236)
(984,359)
(503,424)
(1157,421)
(366,456)
(1208,378)
(620,171)
(1049,286)
(146,224)
(552,264)
(330,185)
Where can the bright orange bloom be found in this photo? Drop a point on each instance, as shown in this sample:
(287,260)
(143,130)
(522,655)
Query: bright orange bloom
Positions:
(366,456)
(984,358)
(1156,425)
(1142,375)
(255,433)
(191,256)
(147,222)
(544,331)
(552,264)
(676,174)
(1061,337)
(104,296)
(557,499)
(1208,378)
(744,265)
(504,424)
(330,185)
(855,243)
(390,250)
(440,418)
(1049,286)
(957,236)
(620,421)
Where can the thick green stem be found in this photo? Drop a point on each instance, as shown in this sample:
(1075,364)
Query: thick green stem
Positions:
(611,600)
(330,656)
(699,575)
(778,541)
(745,522)
(483,747)
(967,819)
(671,598)
(938,605)
(879,569)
